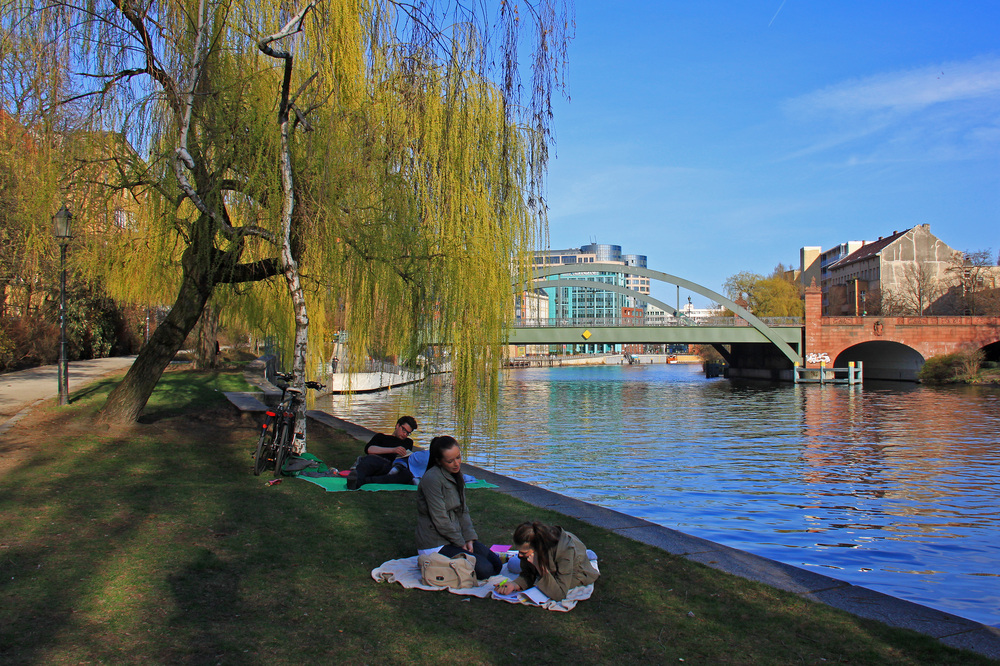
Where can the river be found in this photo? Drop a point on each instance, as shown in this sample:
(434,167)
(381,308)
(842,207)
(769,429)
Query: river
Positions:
(892,486)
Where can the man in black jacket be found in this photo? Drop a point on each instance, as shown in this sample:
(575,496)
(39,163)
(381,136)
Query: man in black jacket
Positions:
(376,465)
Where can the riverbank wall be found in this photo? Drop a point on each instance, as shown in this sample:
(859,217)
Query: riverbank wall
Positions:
(949,629)
(380,377)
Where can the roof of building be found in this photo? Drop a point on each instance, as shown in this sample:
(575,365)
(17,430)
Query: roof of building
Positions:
(868,249)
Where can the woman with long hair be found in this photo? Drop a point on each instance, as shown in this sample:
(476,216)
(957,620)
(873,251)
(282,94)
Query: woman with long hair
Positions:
(552,559)
(443,521)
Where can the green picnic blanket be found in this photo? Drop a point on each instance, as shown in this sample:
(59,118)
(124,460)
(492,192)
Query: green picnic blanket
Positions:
(335,484)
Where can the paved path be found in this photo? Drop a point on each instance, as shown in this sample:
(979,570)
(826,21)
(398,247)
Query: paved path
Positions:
(21,390)
(949,629)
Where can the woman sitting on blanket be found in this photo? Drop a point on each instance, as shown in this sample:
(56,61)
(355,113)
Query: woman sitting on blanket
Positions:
(552,559)
(443,521)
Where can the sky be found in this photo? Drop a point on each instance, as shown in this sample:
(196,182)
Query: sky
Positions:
(718,137)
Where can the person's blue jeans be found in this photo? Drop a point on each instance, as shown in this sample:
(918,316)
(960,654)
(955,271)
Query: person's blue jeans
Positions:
(487,562)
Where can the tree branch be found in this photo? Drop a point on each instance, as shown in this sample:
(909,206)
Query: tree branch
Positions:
(152,68)
(252,272)
(182,157)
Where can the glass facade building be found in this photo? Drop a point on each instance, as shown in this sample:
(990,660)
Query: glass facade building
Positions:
(590,304)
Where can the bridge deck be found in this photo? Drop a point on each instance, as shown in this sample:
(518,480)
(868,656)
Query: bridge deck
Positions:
(568,335)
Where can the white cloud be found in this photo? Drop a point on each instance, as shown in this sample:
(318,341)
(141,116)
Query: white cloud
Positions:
(905,91)
(942,113)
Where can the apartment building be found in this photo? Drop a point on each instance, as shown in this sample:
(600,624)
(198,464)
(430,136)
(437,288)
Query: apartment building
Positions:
(908,272)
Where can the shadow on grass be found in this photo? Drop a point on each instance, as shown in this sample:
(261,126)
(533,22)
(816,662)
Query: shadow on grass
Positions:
(161,546)
(165,547)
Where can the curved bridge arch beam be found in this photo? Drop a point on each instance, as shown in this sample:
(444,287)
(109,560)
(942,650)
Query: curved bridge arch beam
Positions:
(539,282)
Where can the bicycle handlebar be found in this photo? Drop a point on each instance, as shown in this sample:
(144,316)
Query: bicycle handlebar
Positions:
(288,377)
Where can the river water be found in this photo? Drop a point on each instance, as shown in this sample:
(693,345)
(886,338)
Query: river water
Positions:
(892,486)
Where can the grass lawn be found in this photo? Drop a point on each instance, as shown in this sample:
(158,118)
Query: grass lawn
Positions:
(156,544)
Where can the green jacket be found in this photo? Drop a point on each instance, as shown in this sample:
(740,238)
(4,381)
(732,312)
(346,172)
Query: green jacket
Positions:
(442,514)
(570,567)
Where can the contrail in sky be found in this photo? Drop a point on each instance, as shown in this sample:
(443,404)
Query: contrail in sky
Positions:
(777,12)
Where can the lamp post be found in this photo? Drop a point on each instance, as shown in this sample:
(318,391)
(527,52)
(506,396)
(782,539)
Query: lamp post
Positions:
(61,229)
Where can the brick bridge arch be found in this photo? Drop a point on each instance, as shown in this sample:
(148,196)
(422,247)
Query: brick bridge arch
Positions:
(890,347)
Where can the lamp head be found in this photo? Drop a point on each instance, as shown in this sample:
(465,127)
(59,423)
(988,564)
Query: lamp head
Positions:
(62,225)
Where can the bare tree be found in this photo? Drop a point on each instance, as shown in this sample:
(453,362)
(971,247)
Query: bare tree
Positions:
(973,277)
(917,290)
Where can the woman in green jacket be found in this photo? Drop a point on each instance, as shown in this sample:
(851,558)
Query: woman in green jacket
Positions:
(443,521)
(552,559)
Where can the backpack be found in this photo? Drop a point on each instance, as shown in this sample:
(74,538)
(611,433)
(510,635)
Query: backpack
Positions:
(443,571)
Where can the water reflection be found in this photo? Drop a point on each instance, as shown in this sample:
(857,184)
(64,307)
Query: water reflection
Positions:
(889,486)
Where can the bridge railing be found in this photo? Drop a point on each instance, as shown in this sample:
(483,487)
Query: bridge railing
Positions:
(656,320)
(738,321)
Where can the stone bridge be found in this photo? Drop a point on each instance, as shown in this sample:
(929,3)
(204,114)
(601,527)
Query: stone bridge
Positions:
(892,348)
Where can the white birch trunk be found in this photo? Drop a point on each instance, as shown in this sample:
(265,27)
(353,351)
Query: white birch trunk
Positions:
(290,267)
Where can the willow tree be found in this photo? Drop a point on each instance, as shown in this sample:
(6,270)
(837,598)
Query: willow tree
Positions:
(29,258)
(414,197)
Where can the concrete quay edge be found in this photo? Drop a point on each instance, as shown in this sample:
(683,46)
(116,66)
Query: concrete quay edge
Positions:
(949,629)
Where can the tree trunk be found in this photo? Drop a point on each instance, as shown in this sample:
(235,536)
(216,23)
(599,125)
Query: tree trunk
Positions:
(207,334)
(299,353)
(289,265)
(128,399)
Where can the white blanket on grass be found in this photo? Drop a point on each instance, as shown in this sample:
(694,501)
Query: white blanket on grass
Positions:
(406,572)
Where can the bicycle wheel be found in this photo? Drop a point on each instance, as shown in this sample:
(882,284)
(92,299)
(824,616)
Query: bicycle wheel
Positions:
(283,445)
(263,449)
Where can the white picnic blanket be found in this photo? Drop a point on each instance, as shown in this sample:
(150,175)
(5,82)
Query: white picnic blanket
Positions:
(406,572)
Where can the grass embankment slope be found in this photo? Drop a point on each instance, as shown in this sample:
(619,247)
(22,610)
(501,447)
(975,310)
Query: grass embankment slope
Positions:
(156,544)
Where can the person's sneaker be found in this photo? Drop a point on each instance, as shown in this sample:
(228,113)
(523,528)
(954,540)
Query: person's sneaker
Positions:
(352,480)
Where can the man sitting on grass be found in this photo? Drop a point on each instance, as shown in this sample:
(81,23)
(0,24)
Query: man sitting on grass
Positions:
(376,465)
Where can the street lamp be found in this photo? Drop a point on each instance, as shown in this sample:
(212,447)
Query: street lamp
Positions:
(61,229)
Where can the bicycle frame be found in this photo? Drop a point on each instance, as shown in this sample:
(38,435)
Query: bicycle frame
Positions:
(278,430)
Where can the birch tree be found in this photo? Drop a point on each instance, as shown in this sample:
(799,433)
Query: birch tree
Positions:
(411,206)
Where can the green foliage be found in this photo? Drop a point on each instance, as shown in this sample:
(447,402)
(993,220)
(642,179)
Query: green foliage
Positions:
(962,366)
(774,296)
(96,326)
(28,199)
(943,369)
(417,196)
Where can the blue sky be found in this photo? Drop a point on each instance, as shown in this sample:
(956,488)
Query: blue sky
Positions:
(716,137)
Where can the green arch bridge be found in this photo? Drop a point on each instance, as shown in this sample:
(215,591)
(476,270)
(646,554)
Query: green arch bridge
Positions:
(783,334)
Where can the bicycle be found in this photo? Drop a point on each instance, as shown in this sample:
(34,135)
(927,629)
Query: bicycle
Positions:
(278,430)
